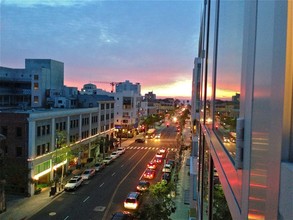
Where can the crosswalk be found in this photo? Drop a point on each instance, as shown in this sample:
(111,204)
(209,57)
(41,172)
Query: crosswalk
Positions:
(173,149)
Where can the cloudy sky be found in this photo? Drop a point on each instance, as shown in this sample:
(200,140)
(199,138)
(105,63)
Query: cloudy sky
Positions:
(150,42)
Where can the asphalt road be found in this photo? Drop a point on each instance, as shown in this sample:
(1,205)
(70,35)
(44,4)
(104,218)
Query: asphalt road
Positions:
(103,195)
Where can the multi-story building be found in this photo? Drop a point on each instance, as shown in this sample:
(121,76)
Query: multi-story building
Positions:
(28,87)
(245,48)
(38,116)
(40,143)
(127,105)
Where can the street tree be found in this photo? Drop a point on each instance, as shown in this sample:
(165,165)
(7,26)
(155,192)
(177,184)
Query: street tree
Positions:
(159,203)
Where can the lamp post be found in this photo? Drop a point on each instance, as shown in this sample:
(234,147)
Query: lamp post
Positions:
(2,177)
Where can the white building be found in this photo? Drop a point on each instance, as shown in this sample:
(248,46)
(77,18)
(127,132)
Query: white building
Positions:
(127,104)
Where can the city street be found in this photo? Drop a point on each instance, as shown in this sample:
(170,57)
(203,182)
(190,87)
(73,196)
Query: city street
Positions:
(103,195)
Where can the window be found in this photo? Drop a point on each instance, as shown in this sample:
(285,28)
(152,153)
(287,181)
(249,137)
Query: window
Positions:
(36,77)
(48,129)
(38,150)
(18,132)
(36,86)
(107,106)
(39,131)
(4,130)
(228,73)
(18,151)
(102,106)
(43,130)
(36,99)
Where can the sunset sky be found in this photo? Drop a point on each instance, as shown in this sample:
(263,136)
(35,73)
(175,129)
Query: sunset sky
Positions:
(150,42)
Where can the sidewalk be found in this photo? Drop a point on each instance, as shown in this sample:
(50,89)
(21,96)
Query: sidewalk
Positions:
(182,196)
(21,208)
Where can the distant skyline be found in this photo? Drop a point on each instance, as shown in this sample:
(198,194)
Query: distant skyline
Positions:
(148,42)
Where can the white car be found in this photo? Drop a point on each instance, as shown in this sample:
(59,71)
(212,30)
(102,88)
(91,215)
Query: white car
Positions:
(121,150)
(73,183)
(114,155)
(99,166)
(88,173)
(108,160)
(167,168)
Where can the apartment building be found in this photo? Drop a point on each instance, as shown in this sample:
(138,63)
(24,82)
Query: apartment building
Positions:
(28,87)
(127,104)
(242,111)
(42,142)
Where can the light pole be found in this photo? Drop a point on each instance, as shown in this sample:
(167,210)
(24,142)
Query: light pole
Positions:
(2,177)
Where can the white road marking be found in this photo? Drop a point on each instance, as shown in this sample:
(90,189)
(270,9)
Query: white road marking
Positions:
(101,184)
(86,199)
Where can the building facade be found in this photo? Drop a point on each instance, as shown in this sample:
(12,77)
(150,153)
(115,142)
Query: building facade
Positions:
(127,104)
(27,87)
(242,111)
(42,143)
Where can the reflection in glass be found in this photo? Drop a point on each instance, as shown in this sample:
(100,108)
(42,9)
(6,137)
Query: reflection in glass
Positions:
(228,76)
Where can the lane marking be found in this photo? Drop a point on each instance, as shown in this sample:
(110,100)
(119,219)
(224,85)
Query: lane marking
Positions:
(113,195)
(113,174)
(102,184)
(66,217)
(86,199)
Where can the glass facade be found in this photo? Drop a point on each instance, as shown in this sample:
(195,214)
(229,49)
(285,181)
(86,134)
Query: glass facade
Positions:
(245,75)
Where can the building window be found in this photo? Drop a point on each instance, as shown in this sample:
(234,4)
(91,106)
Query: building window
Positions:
(112,105)
(228,75)
(102,117)
(18,131)
(39,131)
(36,99)
(4,130)
(36,77)
(36,86)
(48,129)
(107,106)
(18,151)
(43,130)
(38,150)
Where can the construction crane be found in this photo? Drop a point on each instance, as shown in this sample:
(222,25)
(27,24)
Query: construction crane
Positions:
(111,83)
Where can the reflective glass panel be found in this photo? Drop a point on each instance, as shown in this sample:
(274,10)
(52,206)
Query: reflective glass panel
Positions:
(228,73)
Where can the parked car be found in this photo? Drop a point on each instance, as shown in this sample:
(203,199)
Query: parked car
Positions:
(171,162)
(143,185)
(99,166)
(123,215)
(132,201)
(166,177)
(121,150)
(108,160)
(149,174)
(114,155)
(167,168)
(73,183)
(152,165)
(88,173)
(139,140)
